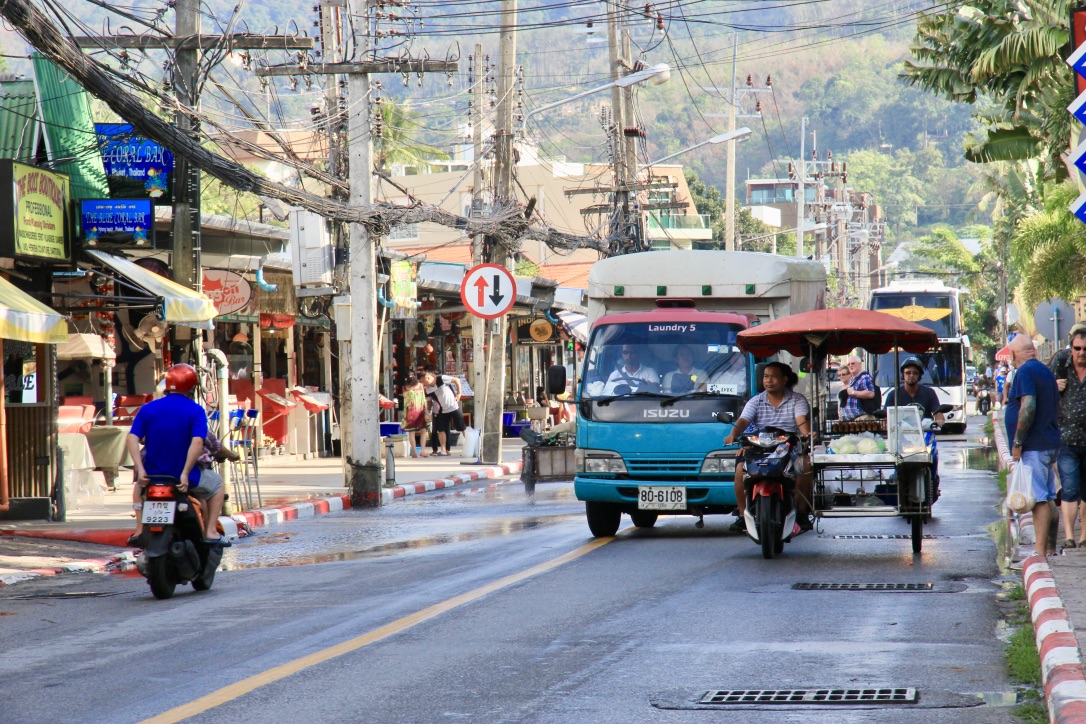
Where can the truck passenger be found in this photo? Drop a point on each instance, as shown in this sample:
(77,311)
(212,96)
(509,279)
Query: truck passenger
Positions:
(778,406)
(685,377)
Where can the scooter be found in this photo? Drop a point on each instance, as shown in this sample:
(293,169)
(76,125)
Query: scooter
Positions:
(984,401)
(174,549)
(770,465)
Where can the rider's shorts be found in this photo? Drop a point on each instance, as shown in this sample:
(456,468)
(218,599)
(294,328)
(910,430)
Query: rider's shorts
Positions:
(210,483)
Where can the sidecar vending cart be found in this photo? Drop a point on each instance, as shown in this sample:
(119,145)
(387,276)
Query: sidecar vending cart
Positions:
(876,468)
(873,468)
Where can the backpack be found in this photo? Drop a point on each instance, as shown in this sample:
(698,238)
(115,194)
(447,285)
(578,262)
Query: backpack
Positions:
(874,404)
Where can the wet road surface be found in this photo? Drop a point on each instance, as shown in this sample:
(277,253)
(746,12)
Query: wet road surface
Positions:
(636,629)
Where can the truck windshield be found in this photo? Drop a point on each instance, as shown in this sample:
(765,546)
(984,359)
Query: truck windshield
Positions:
(671,358)
(942,366)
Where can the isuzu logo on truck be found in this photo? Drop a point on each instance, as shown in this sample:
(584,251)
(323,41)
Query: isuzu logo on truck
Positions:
(665,413)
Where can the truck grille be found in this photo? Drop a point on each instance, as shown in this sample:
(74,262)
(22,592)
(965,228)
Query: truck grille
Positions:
(662,466)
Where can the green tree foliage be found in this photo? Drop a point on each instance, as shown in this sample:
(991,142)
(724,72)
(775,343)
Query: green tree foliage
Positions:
(399,139)
(1050,247)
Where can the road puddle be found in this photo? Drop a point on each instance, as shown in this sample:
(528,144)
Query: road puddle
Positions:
(246,555)
(969,458)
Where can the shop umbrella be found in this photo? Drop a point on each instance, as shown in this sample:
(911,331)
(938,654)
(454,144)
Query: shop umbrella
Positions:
(25,319)
(836,331)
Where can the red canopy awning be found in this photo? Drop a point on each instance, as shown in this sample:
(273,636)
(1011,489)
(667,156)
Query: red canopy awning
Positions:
(1004,355)
(836,331)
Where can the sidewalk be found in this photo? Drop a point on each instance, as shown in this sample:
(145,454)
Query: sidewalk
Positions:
(290,489)
(1056,594)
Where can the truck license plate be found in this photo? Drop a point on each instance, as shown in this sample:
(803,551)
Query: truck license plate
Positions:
(655,497)
(158,512)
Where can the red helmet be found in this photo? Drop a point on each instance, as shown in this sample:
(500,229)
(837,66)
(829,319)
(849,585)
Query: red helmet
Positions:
(180,378)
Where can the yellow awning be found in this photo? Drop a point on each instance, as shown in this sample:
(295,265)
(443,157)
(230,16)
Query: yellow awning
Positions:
(180,305)
(24,318)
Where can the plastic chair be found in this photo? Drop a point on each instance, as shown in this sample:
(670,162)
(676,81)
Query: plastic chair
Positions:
(75,418)
(538,417)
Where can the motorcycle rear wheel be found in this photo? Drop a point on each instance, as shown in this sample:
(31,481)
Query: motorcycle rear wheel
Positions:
(160,579)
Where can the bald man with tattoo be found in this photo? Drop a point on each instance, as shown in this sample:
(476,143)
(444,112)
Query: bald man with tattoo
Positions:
(1032,418)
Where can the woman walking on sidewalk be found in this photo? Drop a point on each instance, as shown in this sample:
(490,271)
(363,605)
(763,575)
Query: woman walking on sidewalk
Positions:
(415,405)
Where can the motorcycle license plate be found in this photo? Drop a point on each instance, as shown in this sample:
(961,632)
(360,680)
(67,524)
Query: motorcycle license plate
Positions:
(158,512)
(657,497)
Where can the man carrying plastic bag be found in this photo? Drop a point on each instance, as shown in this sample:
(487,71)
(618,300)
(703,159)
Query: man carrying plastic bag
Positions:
(1032,424)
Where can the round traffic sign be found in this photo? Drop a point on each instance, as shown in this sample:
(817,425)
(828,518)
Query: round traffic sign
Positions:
(488,291)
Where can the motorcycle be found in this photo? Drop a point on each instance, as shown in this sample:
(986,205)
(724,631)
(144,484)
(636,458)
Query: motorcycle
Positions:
(770,464)
(174,549)
(984,401)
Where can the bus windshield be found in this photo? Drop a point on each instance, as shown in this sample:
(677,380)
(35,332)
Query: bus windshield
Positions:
(667,359)
(942,366)
(935,311)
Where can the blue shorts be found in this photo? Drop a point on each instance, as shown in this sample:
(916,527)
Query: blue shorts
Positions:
(1071,462)
(1041,464)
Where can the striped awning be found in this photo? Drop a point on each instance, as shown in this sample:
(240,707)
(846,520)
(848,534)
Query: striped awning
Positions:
(24,318)
(180,305)
(576,324)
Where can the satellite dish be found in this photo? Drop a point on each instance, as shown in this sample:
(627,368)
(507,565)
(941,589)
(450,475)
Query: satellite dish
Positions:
(152,330)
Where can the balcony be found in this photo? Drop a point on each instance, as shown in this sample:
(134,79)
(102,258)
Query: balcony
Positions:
(679,228)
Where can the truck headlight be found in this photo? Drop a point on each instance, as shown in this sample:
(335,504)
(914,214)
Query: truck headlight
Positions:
(719,461)
(599,461)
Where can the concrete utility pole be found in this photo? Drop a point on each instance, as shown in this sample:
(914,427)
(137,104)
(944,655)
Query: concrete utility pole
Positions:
(186,178)
(478,324)
(622,193)
(503,191)
(360,357)
(630,129)
(729,208)
(358,390)
(801,175)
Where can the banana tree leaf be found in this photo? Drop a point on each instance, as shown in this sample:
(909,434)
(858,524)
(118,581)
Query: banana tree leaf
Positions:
(1004,144)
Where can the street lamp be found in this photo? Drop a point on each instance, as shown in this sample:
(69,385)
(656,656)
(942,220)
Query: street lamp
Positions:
(653,74)
(730,136)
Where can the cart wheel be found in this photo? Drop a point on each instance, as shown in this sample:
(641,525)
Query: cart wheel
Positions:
(918,532)
(603,519)
(644,519)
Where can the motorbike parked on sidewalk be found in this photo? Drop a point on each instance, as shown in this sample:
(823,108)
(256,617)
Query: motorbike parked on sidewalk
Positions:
(770,461)
(984,401)
(174,549)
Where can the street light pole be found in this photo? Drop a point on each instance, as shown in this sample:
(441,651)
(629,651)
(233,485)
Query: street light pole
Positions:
(734,135)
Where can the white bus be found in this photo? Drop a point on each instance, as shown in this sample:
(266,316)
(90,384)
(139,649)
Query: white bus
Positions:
(934,305)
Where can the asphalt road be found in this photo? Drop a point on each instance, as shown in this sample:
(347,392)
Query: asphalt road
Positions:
(485,606)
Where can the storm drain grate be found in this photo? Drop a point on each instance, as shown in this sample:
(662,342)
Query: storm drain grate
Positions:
(862,587)
(898,536)
(810,696)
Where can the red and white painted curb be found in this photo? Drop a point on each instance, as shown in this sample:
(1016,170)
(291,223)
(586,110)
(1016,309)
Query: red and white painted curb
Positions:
(1061,665)
(242,524)
(91,565)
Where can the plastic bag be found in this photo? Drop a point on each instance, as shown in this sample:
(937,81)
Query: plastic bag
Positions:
(471,442)
(1020,497)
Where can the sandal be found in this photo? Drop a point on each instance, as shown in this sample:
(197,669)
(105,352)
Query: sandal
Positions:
(1068,544)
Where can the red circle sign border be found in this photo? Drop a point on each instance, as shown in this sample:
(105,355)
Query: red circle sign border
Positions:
(512,297)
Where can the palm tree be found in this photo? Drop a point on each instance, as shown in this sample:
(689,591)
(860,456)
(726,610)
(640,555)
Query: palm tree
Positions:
(1050,247)
(396,142)
(1006,55)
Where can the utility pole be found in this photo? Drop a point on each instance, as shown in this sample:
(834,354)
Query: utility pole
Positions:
(186,179)
(621,190)
(631,131)
(503,192)
(478,324)
(801,175)
(729,212)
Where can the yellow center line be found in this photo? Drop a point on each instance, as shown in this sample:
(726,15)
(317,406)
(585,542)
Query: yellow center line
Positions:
(236,690)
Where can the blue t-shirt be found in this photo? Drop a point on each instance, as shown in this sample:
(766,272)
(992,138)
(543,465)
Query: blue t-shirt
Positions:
(167,426)
(1034,378)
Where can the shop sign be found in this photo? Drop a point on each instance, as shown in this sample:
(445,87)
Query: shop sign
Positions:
(404,289)
(135,167)
(228,290)
(127,221)
(38,209)
(536,331)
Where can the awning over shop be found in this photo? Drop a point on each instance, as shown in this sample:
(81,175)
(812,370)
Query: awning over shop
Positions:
(81,345)
(180,305)
(25,319)
(576,324)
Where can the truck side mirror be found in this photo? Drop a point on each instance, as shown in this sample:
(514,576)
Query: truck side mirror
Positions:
(556,380)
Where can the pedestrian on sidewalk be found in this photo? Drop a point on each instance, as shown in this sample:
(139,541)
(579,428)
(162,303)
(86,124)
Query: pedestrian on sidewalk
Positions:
(1032,415)
(447,392)
(415,413)
(1071,458)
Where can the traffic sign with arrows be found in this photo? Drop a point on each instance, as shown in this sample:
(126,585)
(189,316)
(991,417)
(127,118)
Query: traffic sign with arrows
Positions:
(488,291)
